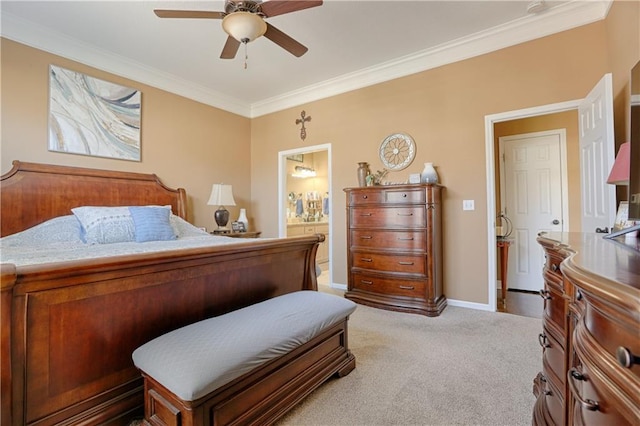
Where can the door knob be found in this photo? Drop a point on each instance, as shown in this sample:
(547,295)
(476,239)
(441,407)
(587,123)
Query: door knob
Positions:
(556,222)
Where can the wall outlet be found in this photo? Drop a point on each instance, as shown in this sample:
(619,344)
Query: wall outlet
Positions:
(468,205)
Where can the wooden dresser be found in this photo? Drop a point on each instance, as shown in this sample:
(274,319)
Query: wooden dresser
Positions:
(590,335)
(394,241)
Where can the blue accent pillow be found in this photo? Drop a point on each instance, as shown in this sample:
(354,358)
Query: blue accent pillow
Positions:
(152,224)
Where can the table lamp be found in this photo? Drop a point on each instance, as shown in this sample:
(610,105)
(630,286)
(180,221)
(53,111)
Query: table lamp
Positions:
(221,195)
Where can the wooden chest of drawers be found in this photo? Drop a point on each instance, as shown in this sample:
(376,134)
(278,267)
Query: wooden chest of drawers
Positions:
(394,239)
(590,333)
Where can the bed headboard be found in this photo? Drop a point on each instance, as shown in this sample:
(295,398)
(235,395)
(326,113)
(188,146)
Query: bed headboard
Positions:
(32,193)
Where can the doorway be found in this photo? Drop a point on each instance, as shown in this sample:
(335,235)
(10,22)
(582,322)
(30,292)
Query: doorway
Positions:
(304,194)
(490,122)
(601,125)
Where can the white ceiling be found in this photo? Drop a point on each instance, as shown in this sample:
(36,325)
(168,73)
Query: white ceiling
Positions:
(352,43)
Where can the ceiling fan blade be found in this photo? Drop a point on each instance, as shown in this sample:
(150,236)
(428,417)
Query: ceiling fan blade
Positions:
(198,14)
(230,48)
(284,41)
(280,7)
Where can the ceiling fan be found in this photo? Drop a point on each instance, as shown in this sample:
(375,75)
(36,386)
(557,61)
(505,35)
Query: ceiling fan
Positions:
(244,21)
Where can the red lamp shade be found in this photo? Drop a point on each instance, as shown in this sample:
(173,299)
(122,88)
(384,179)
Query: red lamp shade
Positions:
(621,167)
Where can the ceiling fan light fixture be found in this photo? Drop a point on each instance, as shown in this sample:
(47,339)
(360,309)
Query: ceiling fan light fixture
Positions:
(244,26)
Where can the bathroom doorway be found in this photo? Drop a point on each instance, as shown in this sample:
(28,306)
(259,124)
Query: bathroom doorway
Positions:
(304,196)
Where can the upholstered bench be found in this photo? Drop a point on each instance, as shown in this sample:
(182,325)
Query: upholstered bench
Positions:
(248,366)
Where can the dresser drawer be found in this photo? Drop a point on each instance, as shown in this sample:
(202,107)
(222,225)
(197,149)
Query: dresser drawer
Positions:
(612,332)
(401,240)
(588,390)
(364,197)
(387,196)
(392,263)
(553,359)
(552,267)
(388,217)
(388,286)
(554,401)
(555,311)
(416,196)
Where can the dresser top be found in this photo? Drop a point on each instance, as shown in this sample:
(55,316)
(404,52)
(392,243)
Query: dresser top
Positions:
(402,187)
(598,259)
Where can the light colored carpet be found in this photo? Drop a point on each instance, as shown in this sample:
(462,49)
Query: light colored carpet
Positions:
(465,367)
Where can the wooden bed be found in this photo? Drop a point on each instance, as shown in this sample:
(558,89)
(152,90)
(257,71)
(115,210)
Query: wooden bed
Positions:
(68,329)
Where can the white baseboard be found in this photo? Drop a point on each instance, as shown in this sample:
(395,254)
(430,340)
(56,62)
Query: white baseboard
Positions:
(469,305)
(338,286)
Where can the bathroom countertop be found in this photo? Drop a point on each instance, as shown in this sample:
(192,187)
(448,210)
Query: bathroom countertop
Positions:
(322,222)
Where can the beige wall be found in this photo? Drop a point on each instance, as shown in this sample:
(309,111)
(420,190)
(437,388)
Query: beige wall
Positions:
(186,143)
(443,110)
(192,145)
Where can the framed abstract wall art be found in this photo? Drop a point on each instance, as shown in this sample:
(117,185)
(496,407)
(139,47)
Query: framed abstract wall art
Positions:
(89,116)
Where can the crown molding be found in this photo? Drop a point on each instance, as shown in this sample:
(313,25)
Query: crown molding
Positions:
(561,18)
(42,38)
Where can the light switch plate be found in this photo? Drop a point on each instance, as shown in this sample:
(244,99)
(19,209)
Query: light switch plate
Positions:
(468,205)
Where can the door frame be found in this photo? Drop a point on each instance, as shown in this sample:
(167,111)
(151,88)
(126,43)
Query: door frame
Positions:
(282,193)
(489,121)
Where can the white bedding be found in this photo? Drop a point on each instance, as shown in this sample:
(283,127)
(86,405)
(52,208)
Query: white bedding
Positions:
(59,240)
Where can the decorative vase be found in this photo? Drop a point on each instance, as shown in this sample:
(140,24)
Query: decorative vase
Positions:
(363,172)
(243,218)
(429,174)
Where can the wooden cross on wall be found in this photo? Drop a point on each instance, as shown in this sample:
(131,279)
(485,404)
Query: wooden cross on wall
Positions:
(303,118)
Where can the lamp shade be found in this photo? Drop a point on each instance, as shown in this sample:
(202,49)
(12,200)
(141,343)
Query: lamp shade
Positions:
(621,167)
(244,26)
(221,195)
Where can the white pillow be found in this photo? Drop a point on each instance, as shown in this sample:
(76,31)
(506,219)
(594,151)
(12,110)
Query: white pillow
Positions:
(185,229)
(105,225)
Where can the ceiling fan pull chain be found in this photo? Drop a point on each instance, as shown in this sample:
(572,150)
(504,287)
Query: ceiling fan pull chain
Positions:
(246,56)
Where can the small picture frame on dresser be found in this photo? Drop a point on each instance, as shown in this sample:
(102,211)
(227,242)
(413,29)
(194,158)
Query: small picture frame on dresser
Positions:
(622,221)
(238,227)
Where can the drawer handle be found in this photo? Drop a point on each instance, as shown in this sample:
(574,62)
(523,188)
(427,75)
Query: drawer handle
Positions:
(365,197)
(366,282)
(366,259)
(407,287)
(626,358)
(543,340)
(545,294)
(578,295)
(405,214)
(572,376)
(366,237)
(366,214)
(405,239)
(405,263)
(554,267)
(404,195)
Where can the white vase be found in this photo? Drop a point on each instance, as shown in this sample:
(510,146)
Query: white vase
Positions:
(429,174)
(243,218)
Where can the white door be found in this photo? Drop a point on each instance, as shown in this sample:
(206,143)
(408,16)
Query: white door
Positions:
(597,156)
(534,187)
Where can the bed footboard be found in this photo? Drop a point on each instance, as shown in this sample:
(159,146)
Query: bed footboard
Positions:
(68,330)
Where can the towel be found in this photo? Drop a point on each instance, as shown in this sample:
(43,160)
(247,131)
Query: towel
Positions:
(299,209)
(325,206)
